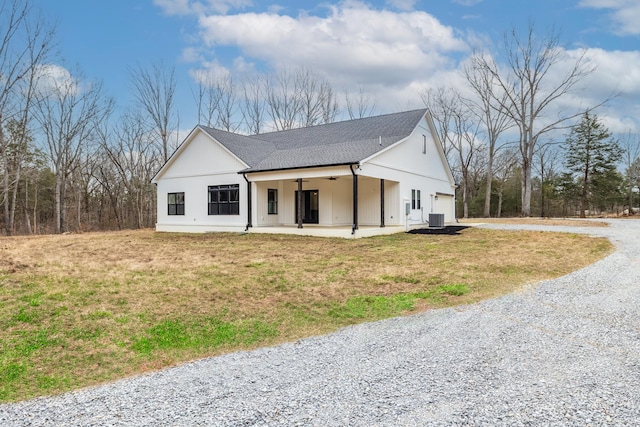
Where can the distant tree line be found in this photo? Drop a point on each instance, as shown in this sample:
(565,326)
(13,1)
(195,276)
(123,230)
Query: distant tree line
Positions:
(514,146)
(71,162)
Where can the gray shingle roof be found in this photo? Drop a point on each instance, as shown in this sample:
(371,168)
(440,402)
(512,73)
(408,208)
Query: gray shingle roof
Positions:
(332,144)
(249,149)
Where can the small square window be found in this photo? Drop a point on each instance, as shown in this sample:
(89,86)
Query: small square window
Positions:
(175,203)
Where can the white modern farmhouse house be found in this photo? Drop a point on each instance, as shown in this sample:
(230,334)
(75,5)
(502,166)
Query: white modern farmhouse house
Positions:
(355,178)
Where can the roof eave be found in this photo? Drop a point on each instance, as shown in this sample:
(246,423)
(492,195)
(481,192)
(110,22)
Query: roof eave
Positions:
(249,170)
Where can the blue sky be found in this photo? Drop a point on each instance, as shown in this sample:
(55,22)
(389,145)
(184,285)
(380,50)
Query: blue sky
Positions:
(390,48)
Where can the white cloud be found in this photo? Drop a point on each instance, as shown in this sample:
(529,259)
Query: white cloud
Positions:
(55,79)
(391,54)
(174,7)
(190,7)
(391,49)
(625,14)
(242,67)
(467,2)
(209,73)
(616,73)
(402,4)
(615,70)
(191,54)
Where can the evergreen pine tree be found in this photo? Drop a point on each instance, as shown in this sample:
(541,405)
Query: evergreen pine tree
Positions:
(591,154)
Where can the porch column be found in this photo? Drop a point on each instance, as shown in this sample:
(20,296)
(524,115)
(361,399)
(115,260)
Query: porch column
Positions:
(300,207)
(248,202)
(382,203)
(249,205)
(355,200)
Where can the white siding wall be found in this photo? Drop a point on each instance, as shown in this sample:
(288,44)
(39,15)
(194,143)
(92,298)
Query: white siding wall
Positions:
(407,164)
(260,203)
(392,212)
(191,173)
(201,156)
(342,201)
(368,201)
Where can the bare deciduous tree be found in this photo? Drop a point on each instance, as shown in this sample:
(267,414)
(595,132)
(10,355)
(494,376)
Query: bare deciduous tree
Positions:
(359,104)
(283,99)
(287,99)
(131,152)
(207,98)
(436,101)
(458,134)
(330,106)
(533,82)
(67,110)
(25,41)
(318,104)
(630,144)
(154,89)
(253,104)
(504,163)
(228,105)
(489,108)
(548,157)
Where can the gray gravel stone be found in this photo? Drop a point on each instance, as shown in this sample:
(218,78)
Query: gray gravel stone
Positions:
(561,352)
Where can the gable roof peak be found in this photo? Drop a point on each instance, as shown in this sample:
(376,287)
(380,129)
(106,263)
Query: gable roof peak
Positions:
(344,142)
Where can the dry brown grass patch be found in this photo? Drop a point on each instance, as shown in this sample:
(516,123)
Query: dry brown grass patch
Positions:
(80,309)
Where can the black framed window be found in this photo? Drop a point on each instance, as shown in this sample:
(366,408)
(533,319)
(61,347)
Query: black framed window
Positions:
(415,199)
(175,203)
(224,199)
(272,201)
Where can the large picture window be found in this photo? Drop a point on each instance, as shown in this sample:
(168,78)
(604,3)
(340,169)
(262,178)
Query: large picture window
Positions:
(415,199)
(224,199)
(272,201)
(175,203)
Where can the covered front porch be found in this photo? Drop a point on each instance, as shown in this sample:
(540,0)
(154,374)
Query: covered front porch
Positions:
(332,201)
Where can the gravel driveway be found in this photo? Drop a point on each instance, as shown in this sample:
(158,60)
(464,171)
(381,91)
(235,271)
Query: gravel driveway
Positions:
(563,352)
